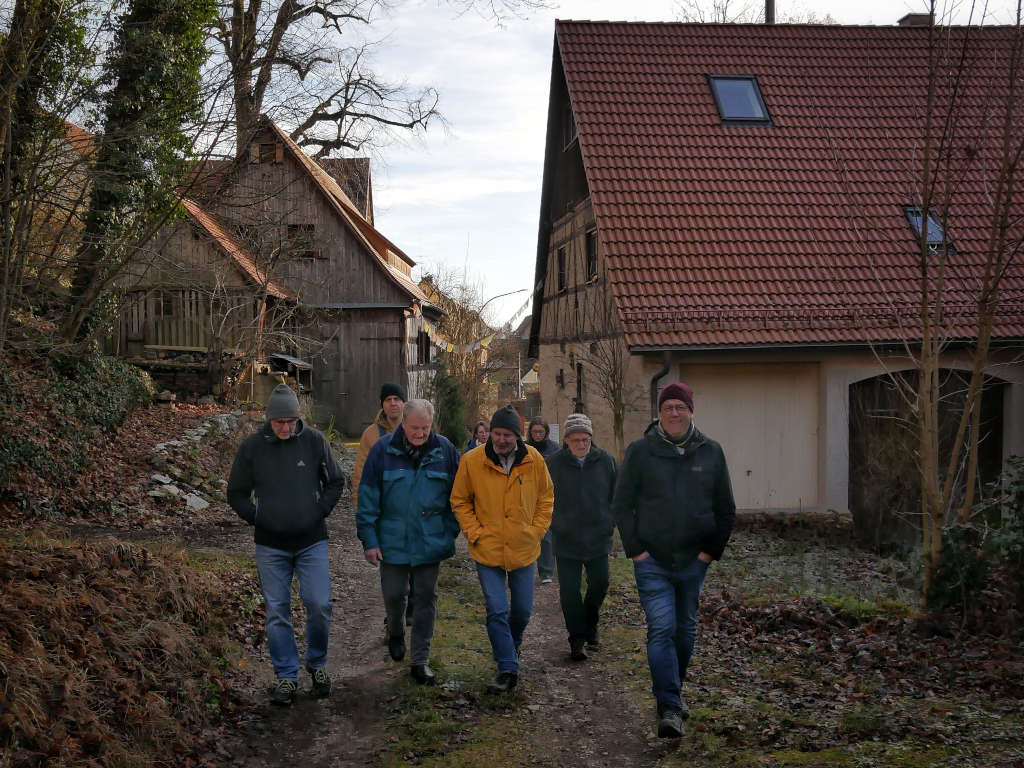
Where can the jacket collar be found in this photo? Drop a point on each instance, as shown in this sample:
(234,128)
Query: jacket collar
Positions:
(521,453)
(660,445)
(397,443)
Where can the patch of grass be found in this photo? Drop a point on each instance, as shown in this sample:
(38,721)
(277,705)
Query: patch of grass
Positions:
(864,722)
(221,562)
(862,610)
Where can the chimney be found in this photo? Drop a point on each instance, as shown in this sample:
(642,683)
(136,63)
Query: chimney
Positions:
(917,20)
(769,11)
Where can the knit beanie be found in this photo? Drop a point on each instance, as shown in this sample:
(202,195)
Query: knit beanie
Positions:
(577,422)
(282,403)
(389,389)
(677,391)
(508,418)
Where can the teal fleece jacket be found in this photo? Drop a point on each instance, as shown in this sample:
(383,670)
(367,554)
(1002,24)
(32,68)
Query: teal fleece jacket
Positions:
(285,488)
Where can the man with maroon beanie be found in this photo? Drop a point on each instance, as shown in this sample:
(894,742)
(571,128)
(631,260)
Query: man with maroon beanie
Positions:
(675,510)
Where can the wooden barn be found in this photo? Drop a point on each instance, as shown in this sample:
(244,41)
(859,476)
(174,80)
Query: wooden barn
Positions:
(276,258)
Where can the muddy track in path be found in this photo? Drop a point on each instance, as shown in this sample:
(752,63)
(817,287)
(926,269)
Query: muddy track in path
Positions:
(346,729)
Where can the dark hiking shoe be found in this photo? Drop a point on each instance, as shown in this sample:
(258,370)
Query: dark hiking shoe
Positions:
(396,647)
(321,684)
(505,682)
(684,711)
(422,674)
(284,692)
(576,650)
(670,724)
(594,640)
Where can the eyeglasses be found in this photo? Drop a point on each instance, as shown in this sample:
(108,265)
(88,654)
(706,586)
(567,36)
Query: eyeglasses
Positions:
(675,409)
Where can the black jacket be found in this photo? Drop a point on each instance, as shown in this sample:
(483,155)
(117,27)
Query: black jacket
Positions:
(674,506)
(545,447)
(295,482)
(582,520)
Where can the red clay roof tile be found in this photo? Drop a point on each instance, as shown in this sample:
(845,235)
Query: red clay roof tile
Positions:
(795,228)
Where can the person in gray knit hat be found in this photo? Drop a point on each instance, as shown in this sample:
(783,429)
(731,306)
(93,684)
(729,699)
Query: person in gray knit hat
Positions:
(584,480)
(284,482)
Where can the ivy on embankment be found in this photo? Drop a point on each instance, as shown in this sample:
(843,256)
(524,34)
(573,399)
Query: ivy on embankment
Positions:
(50,410)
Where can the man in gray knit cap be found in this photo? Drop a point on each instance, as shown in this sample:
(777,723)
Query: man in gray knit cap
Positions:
(584,479)
(285,481)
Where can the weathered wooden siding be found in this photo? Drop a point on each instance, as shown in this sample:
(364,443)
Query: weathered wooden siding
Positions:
(275,195)
(367,348)
(160,311)
(575,308)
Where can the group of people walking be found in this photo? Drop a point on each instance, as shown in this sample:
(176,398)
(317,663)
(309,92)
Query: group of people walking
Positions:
(527,508)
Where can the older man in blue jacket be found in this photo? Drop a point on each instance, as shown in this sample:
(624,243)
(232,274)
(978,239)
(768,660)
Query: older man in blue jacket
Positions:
(405,523)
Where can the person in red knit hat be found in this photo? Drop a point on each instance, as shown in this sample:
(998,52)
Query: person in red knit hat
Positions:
(674,508)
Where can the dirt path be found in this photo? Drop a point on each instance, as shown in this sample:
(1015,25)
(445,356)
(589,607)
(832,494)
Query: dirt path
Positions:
(590,721)
(345,729)
(576,713)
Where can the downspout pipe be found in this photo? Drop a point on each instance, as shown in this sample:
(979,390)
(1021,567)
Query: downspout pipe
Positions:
(666,365)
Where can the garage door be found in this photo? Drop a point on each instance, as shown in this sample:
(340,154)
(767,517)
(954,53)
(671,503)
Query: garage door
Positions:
(766,419)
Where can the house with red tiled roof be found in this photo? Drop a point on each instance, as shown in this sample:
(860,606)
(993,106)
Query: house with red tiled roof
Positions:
(274,260)
(740,207)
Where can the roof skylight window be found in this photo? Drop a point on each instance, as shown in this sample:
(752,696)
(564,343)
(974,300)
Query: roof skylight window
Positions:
(936,233)
(739,99)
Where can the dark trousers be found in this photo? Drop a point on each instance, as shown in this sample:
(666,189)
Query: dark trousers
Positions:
(395,582)
(408,609)
(582,612)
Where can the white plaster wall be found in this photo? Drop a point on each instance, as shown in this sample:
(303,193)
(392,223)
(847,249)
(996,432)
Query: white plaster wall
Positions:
(765,416)
(782,415)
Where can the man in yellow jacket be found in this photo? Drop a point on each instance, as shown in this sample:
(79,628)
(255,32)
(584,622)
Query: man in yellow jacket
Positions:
(503,498)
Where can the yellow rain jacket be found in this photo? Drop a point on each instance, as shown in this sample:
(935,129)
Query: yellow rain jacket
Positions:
(504,517)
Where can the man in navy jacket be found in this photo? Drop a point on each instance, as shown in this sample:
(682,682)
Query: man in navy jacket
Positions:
(584,479)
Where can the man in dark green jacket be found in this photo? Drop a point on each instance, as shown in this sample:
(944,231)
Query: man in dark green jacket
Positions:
(285,481)
(675,511)
(584,479)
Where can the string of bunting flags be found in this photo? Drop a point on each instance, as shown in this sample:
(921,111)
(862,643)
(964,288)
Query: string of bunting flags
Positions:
(443,343)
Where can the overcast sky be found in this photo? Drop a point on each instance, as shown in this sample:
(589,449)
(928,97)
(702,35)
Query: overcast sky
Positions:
(470,196)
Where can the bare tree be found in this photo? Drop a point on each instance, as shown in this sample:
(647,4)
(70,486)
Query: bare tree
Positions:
(463,326)
(740,12)
(960,297)
(302,64)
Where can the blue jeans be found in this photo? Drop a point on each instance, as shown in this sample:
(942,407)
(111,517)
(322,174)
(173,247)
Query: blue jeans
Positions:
(276,568)
(506,620)
(546,561)
(670,599)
